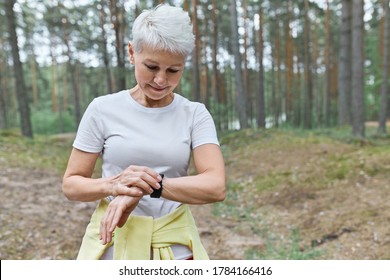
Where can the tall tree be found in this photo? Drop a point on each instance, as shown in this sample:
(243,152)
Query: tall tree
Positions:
(103,43)
(327,95)
(118,22)
(289,58)
(383,112)
(3,111)
(196,52)
(54,87)
(24,110)
(344,77)
(260,55)
(245,74)
(307,120)
(28,28)
(215,74)
(240,93)
(278,59)
(72,70)
(358,110)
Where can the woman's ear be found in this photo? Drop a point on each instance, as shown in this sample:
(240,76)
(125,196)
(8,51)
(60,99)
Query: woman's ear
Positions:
(131,53)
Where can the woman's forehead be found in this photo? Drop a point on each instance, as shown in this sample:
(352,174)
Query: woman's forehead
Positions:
(160,56)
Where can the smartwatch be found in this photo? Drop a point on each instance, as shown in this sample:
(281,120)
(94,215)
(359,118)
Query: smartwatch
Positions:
(157,193)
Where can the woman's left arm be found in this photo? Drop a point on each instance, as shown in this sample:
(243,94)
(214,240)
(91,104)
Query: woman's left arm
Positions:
(208,186)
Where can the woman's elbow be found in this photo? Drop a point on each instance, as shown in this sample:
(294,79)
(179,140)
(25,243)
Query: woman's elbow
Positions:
(67,190)
(220,194)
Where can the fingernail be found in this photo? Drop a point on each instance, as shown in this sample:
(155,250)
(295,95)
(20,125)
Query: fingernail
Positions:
(158,185)
(159,178)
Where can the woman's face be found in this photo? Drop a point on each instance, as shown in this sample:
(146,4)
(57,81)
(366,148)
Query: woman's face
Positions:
(157,72)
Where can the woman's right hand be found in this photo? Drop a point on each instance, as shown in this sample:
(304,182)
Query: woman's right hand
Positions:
(135,181)
(116,215)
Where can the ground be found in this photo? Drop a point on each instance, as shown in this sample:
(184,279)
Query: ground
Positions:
(277,207)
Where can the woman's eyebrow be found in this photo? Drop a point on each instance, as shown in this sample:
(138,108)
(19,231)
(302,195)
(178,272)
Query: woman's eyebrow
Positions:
(148,60)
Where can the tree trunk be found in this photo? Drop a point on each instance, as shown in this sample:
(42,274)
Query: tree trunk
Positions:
(278,92)
(274,106)
(53,77)
(307,121)
(214,77)
(245,74)
(72,71)
(240,94)
(119,24)
(318,103)
(204,77)
(215,88)
(3,109)
(24,110)
(327,66)
(64,87)
(385,70)
(289,64)
(195,56)
(260,97)
(358,114)
(344,90)
(106,60)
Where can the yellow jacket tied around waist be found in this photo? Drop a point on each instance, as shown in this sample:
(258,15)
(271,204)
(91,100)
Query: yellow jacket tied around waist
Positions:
(140,234)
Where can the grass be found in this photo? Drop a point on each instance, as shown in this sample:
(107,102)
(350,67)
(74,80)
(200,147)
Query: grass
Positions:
(311,160)
(42,152)
(314,161)
(282,250)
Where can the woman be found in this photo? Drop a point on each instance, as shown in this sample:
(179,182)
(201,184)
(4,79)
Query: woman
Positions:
(145,136)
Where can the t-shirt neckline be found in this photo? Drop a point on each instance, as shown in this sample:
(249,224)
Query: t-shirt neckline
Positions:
(142,108)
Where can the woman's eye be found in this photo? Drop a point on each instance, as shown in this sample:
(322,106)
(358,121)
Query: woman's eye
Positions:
(151,67)
(173,70)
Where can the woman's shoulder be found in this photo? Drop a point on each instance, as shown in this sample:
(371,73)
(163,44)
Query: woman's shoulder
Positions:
(187,103)
(108,101)
(111,97)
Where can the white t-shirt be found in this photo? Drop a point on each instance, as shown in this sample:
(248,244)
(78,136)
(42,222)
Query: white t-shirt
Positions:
(127,133)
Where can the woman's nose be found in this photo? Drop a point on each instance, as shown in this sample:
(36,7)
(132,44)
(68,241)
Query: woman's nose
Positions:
(160,78)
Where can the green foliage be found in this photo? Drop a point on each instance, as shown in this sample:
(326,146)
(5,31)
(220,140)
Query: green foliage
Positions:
(46,122)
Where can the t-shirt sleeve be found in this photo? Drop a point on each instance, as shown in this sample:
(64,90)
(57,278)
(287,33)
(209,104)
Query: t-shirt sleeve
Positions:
(203,131)
(89,137)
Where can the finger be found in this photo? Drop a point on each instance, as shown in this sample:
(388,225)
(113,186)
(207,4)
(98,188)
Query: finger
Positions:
(102,230)
(124,218)
(139,181)
(106,224)
(145,169)
(115,219)
(152,181)
(131,191)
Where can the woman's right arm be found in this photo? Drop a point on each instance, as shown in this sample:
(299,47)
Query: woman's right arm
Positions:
(78,185)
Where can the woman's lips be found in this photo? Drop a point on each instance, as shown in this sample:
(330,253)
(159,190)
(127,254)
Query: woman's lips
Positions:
(158,88)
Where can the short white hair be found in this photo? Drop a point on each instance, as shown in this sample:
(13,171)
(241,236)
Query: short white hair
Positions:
(165,28)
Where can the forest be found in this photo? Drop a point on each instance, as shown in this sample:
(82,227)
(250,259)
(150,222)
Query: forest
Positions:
(299,92)
(306,64)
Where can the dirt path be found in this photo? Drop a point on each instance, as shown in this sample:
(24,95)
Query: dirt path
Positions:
(346,218)
(39,223)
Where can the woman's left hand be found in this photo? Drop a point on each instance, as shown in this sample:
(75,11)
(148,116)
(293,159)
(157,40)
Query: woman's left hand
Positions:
(116,214)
